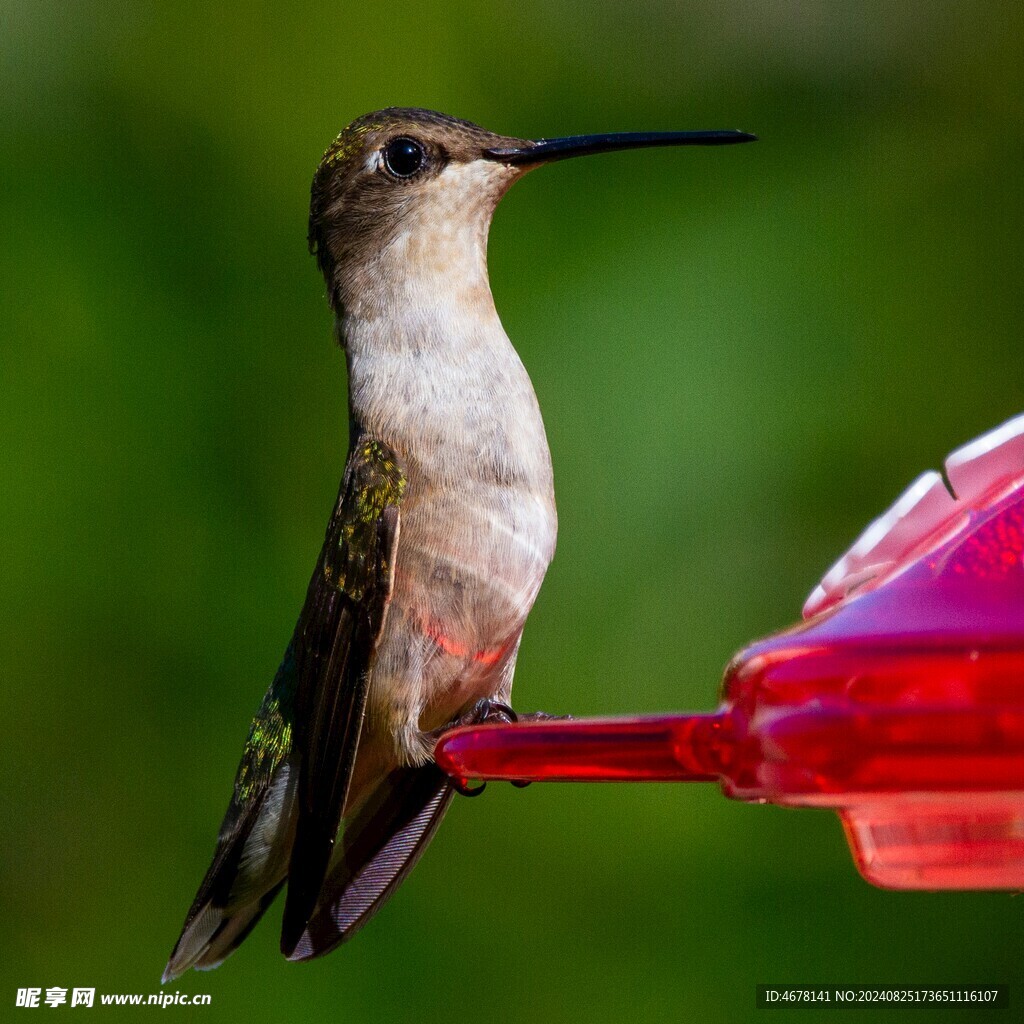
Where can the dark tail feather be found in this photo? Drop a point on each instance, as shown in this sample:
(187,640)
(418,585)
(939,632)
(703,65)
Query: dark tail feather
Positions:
(234,931)
(212,931)
(380,845)
(208,916)
(246,874)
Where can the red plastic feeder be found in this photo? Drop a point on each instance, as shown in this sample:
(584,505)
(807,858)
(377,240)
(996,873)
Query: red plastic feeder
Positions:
(899,701)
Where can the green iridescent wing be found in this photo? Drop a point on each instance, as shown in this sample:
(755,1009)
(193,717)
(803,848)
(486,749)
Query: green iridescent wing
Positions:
(335,641)
(242,880)
(299,753)
(270,737)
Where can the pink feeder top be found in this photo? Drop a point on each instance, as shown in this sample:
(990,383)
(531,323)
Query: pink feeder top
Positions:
(899,701)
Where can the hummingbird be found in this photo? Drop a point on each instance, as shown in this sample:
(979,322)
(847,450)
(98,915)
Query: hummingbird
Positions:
(436,548)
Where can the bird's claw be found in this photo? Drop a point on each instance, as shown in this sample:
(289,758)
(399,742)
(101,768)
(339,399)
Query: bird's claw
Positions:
(463,788)
(496,712)
(490,712)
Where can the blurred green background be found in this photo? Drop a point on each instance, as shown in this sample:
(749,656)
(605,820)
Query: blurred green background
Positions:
(742,355)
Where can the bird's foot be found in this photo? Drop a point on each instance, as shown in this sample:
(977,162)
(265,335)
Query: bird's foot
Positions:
(483,712)
(463,788)
(488,711)
(496,712)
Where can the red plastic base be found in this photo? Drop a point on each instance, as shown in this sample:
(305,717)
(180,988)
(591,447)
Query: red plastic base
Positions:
(899,702)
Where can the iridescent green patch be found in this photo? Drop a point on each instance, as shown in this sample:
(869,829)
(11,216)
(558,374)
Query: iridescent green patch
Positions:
(376,482)
(270,736)
(349,143)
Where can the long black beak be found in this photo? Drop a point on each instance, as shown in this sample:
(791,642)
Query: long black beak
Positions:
(544,150)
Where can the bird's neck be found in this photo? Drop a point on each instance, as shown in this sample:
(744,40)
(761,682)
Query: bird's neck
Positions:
(432,373)
(431,261)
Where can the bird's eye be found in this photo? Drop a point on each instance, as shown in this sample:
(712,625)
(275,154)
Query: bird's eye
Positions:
(403,157)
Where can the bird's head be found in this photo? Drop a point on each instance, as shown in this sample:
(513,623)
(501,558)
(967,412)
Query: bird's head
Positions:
(403,182)
(410,193)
